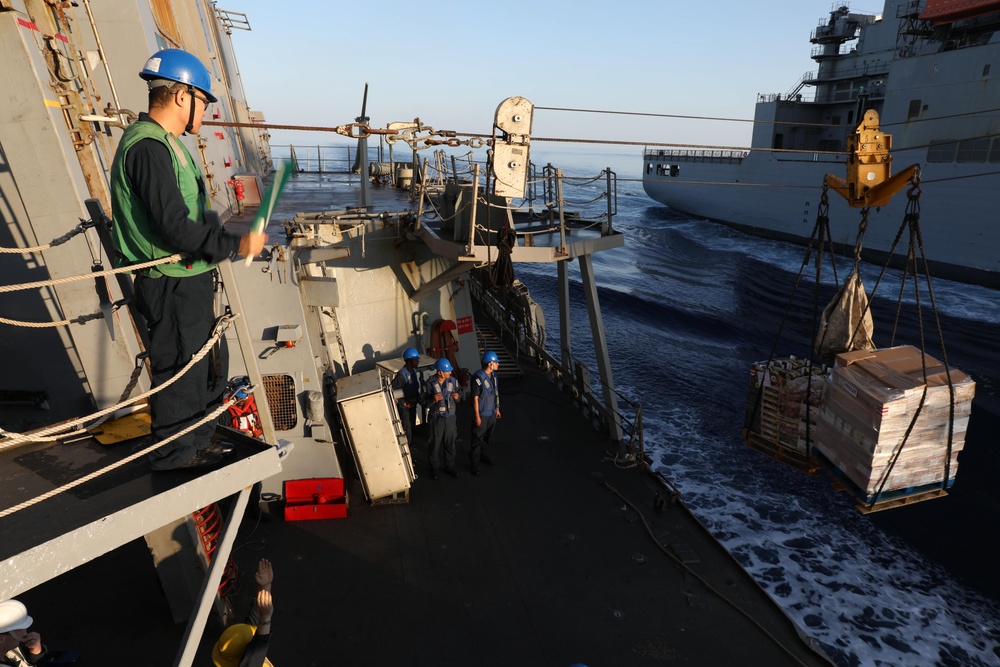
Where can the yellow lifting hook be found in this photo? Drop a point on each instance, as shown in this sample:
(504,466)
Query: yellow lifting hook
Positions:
(869,167)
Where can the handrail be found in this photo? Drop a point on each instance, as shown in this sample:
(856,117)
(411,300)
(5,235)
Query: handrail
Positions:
(534,342)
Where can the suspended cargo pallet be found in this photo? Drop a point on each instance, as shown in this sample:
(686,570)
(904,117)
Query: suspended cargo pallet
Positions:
(779,415)
(890,425)
(868,503)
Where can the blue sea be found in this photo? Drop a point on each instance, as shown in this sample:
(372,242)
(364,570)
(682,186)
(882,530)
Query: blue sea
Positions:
(688,306)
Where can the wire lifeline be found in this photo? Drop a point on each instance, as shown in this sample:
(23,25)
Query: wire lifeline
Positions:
(128,459)
(682,117)
(107,272)
(12,440)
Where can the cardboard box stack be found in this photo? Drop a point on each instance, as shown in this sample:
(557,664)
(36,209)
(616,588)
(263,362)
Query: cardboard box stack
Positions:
(868,404)
(781,412)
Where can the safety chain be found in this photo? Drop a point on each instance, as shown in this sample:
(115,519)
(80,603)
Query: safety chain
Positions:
(132,382)
(862,228)
(79,229)
(823,210)
(82,319)
(14,439)
(913,196)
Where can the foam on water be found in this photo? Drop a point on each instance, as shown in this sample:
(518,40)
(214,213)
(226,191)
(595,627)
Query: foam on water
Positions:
(688,305)
(867,598)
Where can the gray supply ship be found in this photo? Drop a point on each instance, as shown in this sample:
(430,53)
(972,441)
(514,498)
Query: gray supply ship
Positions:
(926,68)
(562,552)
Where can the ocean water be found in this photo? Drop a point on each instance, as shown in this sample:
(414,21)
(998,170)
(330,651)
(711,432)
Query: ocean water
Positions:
(688,305)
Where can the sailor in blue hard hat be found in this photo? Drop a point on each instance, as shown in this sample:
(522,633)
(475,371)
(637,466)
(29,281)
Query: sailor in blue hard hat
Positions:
(485,410)
(408,382)
(170,67)
(442,394)
(162,209)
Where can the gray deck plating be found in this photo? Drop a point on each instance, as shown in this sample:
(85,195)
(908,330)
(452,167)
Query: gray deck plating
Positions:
(67,530)
(534,562)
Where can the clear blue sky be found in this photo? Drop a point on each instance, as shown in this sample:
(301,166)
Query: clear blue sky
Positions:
(305,62)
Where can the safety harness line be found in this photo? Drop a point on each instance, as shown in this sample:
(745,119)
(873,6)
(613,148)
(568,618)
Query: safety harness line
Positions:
(14,439)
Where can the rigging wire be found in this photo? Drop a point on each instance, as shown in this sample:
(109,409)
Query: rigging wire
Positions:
(683,117)
(766,122)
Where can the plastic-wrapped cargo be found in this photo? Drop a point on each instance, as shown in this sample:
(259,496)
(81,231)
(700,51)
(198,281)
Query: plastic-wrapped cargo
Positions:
(868,405)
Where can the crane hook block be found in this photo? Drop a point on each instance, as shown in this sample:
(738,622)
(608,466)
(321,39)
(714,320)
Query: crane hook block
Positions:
(510,150)
(869,166)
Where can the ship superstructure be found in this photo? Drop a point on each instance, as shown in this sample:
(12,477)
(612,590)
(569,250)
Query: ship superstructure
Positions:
(927,69)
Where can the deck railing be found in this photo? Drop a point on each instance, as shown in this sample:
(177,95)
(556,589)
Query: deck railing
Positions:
(526,340)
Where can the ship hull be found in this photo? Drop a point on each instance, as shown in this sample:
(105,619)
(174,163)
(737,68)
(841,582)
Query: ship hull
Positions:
(776,195)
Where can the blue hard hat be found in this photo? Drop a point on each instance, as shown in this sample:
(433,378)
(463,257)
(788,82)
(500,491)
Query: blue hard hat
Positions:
(442,365)
(410,353)
(180,66)
(239,387)
(491,358)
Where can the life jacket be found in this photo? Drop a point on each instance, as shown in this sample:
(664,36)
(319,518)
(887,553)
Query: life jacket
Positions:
(446,406)
(411,385)
(132,232)
(484,386)
(243,417)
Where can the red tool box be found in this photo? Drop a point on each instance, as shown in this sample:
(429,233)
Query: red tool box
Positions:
(317,498)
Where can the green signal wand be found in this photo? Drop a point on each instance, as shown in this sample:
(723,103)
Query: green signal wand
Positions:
(267,205)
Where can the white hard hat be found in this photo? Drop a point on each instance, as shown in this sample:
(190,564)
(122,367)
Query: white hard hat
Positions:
(13,616)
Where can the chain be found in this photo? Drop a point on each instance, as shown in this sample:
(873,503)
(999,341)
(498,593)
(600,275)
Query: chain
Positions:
(859,243)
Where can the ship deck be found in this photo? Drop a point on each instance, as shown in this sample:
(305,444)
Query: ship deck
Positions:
(552,556)
(537,561)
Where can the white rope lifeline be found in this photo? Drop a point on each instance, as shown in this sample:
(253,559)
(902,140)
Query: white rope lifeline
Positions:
(82,319)
(54,242)
(96,274)
(15,439)
(128,459)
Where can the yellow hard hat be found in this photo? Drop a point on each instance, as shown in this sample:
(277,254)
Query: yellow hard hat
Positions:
(232,643)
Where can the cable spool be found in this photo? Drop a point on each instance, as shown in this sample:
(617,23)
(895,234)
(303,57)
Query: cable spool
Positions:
(380,169)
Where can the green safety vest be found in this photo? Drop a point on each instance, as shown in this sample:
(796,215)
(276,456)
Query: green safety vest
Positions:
(132,232)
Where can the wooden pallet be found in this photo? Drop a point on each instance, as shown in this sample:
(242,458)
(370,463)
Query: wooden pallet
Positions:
(887,500)
(909,499)
(778,452)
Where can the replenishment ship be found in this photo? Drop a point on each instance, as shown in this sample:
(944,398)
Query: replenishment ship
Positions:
(925,67)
